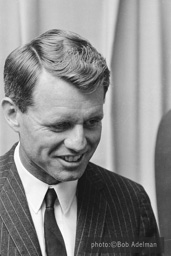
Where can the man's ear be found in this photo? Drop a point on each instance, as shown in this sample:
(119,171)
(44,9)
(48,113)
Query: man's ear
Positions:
(11,113)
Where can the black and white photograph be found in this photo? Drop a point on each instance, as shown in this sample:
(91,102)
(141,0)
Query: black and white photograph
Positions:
(85,127)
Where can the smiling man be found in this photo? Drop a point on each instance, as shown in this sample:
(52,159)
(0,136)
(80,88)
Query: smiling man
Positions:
(53,201)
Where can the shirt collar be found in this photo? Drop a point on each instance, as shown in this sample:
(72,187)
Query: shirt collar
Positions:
(36,189)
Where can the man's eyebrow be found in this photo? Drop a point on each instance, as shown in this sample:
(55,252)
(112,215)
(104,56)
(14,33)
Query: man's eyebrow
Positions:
(97,114)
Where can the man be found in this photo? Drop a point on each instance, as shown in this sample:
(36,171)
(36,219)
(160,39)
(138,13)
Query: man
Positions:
(55,88)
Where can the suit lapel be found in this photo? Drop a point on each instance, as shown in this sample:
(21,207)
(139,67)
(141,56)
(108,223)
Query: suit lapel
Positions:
(91,212)
(15,212)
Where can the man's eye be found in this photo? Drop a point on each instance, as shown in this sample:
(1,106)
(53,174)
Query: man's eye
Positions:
(61,126)
(92,123)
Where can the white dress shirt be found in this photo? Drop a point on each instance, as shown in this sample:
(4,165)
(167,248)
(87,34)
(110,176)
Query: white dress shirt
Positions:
(65,212)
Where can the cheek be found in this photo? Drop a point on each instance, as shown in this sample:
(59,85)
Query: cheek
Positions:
(94,137)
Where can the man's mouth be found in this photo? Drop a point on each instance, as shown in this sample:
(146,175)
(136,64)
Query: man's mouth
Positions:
(72,159)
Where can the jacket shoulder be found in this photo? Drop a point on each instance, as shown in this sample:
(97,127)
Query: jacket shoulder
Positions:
(6,162)
(114,183)
(126,200)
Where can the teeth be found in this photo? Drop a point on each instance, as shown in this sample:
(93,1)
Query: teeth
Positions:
(71,158)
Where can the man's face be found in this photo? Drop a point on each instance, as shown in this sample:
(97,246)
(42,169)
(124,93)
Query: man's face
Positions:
(60,133)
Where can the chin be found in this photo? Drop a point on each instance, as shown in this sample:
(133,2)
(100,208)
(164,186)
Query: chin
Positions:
(69,176)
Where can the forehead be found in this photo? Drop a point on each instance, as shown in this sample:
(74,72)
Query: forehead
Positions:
(52,92)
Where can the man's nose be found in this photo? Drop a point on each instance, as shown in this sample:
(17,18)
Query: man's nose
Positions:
(76,139)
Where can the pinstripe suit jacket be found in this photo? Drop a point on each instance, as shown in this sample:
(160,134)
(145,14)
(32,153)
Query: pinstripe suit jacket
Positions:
(108,206)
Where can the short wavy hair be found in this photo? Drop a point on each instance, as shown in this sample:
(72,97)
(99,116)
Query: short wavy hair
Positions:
(61,53)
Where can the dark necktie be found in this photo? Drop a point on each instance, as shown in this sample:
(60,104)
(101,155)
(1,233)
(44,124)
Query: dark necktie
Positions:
(55,245)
